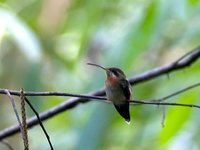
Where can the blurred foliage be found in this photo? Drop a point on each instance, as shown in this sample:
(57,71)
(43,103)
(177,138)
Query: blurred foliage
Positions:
(45,44)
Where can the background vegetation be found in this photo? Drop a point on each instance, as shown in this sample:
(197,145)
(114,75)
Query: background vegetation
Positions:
(45,44)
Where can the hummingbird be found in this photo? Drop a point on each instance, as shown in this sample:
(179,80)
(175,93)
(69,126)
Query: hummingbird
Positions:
(118,90)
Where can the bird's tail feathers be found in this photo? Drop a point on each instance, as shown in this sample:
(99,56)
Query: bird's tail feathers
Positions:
(123,110)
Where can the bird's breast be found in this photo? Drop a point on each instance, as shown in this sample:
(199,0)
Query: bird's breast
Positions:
(114,93)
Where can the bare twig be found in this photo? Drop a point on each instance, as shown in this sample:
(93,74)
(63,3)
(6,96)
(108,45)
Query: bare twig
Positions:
(17,93)
(181,63)
(24,124)
(176,93)
(15,109)
(7,144)
(164,103)
(40,122)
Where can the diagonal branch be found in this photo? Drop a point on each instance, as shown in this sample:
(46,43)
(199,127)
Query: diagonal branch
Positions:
(7,144)
(40,122)
(185,61)
(176,93)
(15,110)
(181,63)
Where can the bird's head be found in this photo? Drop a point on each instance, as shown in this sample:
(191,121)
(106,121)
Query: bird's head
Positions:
(111,72)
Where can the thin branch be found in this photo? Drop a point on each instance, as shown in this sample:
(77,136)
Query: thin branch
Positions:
(7,144)
(163,103)
(180,64)
(17,93)
(40,122)
(178,92)
(15,109)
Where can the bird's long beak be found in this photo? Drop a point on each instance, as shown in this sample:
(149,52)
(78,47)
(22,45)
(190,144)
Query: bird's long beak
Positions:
(97,66)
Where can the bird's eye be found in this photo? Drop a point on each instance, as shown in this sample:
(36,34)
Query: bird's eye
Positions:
(115,73)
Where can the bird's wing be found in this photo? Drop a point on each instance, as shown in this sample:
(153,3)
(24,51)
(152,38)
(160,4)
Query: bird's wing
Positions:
(126,87)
